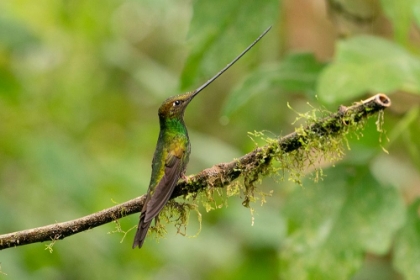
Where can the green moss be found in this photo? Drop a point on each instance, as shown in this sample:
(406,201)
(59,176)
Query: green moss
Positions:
(49,247)
(177,213)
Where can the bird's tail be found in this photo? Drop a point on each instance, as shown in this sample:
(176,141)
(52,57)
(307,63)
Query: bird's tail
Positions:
(141,233)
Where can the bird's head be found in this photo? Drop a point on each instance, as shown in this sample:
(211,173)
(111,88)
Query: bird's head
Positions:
(174,106)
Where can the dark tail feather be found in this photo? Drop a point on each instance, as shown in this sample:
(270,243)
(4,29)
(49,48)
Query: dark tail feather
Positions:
(141,233)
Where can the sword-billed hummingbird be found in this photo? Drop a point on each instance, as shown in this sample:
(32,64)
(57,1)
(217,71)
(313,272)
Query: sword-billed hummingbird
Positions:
(172,153)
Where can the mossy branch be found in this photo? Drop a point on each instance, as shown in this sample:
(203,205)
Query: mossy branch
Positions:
(219,175)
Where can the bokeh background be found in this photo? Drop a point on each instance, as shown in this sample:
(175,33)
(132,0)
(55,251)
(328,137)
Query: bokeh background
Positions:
(80,85)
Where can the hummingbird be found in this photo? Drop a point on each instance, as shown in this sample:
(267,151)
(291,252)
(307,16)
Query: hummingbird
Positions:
(172,153)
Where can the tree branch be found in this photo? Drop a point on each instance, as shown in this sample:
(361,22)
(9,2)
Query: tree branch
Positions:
(219,175)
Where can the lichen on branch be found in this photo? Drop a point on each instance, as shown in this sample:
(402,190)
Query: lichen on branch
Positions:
(322,137)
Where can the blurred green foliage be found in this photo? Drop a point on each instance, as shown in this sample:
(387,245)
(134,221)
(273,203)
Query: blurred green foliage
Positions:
(80,84)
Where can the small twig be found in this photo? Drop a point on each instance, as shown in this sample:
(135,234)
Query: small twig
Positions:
(219,175)
(61,230)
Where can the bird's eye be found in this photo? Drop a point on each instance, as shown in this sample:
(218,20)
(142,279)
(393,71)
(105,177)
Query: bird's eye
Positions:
(176,103)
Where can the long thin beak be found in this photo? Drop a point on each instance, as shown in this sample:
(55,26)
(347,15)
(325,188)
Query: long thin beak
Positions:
(195,92)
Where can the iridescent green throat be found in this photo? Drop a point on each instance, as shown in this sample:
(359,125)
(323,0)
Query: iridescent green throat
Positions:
(174,125)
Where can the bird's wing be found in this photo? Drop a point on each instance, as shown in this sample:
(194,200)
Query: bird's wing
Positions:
(165,187)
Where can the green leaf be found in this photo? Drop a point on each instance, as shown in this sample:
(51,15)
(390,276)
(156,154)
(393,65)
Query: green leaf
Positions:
(332,225)
(400,13)
(296,73)
(218,35)
(407,245)
(368,64)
